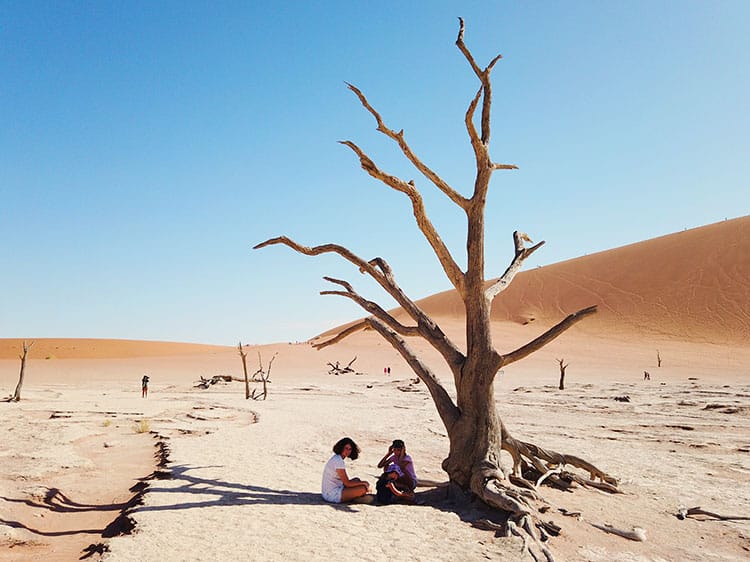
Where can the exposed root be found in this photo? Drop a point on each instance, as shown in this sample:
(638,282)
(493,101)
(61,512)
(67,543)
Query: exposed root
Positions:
(534,463)
(488,525)
(499,497)
(637,534)
(517,495)
(605,486)
(523,521)
(547,475)
(697,511)
(531,544)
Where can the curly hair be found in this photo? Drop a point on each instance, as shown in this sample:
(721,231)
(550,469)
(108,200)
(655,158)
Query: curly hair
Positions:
(341,443)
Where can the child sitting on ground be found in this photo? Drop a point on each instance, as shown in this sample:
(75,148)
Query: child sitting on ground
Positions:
(386,489)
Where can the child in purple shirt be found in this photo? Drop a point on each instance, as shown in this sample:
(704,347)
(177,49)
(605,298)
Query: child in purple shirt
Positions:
(397,455)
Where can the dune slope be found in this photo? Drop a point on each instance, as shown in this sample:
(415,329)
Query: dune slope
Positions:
(692,285)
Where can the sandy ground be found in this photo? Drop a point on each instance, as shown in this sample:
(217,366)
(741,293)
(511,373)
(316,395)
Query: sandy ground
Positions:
(244,476)
(241,478)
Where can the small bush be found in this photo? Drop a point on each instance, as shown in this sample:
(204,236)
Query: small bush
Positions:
(107,422)
(142,426)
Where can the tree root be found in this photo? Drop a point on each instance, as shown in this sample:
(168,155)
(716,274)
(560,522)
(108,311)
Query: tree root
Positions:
(532,544)
(697,511)
(637,534)
(535,464)
(517,495)
(523,520)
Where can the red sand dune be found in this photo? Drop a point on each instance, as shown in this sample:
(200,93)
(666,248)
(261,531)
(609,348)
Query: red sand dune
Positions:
(69,348)
(693,286)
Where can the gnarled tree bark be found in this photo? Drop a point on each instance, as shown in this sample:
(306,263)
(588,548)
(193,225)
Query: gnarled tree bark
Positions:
(477,435)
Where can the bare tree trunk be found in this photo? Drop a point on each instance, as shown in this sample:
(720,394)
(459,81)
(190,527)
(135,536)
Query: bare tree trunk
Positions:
(475,441)
(17,394)
(563,366)
(244,368)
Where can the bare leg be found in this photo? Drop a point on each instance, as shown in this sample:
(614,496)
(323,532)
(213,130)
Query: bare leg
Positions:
(349,494)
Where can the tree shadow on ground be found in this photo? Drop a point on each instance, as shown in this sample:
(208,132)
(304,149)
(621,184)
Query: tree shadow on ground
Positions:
(216,493)
(212,493)
(448,498)
(225,494)
(55,500)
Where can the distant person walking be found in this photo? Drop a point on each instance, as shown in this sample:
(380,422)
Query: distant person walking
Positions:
(144,386)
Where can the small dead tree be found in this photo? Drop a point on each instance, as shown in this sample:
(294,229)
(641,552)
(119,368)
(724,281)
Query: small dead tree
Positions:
(475,431)
(339,370)
(262,376)
(204,383)
(563,366)
(243,355)
(17,394)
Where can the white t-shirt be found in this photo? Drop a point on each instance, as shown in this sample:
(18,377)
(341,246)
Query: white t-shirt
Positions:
(332,485)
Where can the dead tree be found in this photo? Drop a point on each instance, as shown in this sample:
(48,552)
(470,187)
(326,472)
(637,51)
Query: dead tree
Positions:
(205,383)
(17,394)
(475,431)
(243,355)
(262,376)
(563,366)
(339,370)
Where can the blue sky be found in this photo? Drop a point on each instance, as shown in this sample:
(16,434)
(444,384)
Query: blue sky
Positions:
(145,147)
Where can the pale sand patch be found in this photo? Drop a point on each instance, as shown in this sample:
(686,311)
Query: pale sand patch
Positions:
(246,475)
(69,461)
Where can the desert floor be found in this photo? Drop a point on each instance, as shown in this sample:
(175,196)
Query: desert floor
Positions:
(242,480)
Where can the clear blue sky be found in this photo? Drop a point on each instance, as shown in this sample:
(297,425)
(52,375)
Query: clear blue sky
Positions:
(145,147)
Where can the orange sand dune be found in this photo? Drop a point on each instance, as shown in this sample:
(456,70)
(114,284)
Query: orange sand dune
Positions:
(64,348)
(693,286)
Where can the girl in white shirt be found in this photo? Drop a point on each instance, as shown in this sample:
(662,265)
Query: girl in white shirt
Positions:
(337,487)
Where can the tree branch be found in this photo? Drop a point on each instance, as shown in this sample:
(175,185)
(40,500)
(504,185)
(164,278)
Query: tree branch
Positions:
(546,337)
(462,47)
(504,166)
(484,77)
(427,172)
(454,273)
(521,253)
(425,327)
(358,327)
(372,307)
(381,272)
(447,410)
(480,150)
